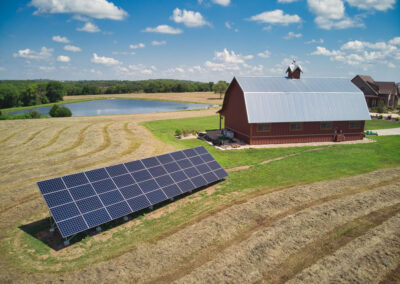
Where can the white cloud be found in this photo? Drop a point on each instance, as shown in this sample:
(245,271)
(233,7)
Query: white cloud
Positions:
(222,2)
(321,40)
(345,23)
(190,19)
(44,53)
(47,68)
(63,58)
(62,39)
(104,60)
(362,53)
(99,9)
(156,43)
(163,29)
(276,17)
(380,5)
(72,48)
(136,46)
(89,27)
(228,25)
(2,69)
(231,57)
(264,54)
(395,41)
(291,35)
(123,52)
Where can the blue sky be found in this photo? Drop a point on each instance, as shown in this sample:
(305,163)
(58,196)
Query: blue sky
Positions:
(204,40)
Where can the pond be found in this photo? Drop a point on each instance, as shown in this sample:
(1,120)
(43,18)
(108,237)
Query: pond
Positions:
(120,106)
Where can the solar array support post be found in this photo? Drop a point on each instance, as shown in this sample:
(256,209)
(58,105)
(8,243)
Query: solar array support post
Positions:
(98,229)
(151,207)
(67,240)
(126,218)
(172,199)
(52,225)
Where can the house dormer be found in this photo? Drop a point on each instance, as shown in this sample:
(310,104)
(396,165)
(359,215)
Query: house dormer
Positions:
(294,70)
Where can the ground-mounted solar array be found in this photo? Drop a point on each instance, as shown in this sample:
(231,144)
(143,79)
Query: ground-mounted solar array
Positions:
(86,200)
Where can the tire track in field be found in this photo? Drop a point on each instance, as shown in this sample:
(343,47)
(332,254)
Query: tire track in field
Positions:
(268,247)
(78,142)
(260,223)
(12,135)
(328,244)
(30,138)
(53,139)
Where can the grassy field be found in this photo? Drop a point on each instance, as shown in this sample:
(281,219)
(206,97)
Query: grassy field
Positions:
(184,233)
(380,124)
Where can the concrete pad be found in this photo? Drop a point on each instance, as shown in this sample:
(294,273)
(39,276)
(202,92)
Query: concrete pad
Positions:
(385,132)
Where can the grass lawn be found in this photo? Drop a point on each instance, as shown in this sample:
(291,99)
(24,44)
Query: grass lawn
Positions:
(330,163)
(380,124)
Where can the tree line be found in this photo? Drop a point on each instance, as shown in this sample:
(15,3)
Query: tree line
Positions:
(32,92)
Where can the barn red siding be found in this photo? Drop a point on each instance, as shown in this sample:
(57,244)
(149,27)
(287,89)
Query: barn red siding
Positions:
(234,111)
(311,132)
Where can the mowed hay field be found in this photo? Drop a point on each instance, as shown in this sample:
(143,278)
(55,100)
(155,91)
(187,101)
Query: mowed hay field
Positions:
(304,214)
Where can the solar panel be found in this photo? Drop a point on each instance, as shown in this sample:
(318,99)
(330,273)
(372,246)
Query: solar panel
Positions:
(86,200)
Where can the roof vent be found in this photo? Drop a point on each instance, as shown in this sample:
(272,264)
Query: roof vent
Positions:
(294,70)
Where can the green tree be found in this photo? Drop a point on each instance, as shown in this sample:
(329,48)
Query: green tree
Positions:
(220,88)
(29,95)
(55,91)
(381,107)
(53,110)
(63,112)
(9,96)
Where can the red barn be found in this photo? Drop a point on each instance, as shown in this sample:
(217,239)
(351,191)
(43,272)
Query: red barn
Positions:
(270,110)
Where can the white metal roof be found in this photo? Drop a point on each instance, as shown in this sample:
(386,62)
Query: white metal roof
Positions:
(277,99)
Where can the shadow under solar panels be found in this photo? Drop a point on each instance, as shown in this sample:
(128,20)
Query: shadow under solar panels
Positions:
(82,201)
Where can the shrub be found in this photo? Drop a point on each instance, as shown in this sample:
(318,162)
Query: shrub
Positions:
(389,117)
(380,116)
(63,112)
(36,114)
(397,118)
(178,132)
(53,110)
(381,107)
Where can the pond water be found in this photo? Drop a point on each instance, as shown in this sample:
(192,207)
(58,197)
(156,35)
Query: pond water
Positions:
(120,106)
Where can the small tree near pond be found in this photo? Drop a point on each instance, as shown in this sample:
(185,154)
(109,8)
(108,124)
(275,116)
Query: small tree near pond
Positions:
(60,111)
(220,88)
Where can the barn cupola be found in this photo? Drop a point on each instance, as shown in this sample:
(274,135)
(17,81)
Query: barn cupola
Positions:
(294,70)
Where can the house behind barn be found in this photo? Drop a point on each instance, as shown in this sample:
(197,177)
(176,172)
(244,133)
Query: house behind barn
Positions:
(270,110)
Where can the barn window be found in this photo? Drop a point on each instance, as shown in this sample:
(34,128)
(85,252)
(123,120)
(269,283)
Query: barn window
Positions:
(326,125)
(296,126)
(264,127)
(355,125)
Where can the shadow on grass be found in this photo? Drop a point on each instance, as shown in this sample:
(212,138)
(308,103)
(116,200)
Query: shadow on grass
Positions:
(40,229)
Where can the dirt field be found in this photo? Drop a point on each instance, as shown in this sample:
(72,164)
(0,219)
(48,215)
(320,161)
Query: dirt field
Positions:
(345,230)
(196,97)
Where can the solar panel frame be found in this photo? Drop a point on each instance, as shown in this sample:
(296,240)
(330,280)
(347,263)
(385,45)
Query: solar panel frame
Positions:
(85,200)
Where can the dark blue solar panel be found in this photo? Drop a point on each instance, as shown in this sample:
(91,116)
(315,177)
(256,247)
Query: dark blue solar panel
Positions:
(191,172)
(89,204)
(96,175)
(150,162)
(97,217)
(178,155)
(51,185)
(201,150)
(134,166)
(199,181)
(141,175)
(172,191)
(72,226)
(65,211)
(123,180)
(184,164)
(116,170)
(75,179)
(189,152)
(203,168)
(165,159)
(82,191)
(196,160)
(186,185)
(156,196)
(221,173)
(103,186)
(86,200)
(157,171)
(148,185)
(57,198)
(138,203)
(210,177)
(131,191)
(178,176)
(172,167)
(119,209)
(111,197)
(164,180)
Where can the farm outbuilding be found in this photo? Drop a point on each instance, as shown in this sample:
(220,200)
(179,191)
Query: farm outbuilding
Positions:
(271,110)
